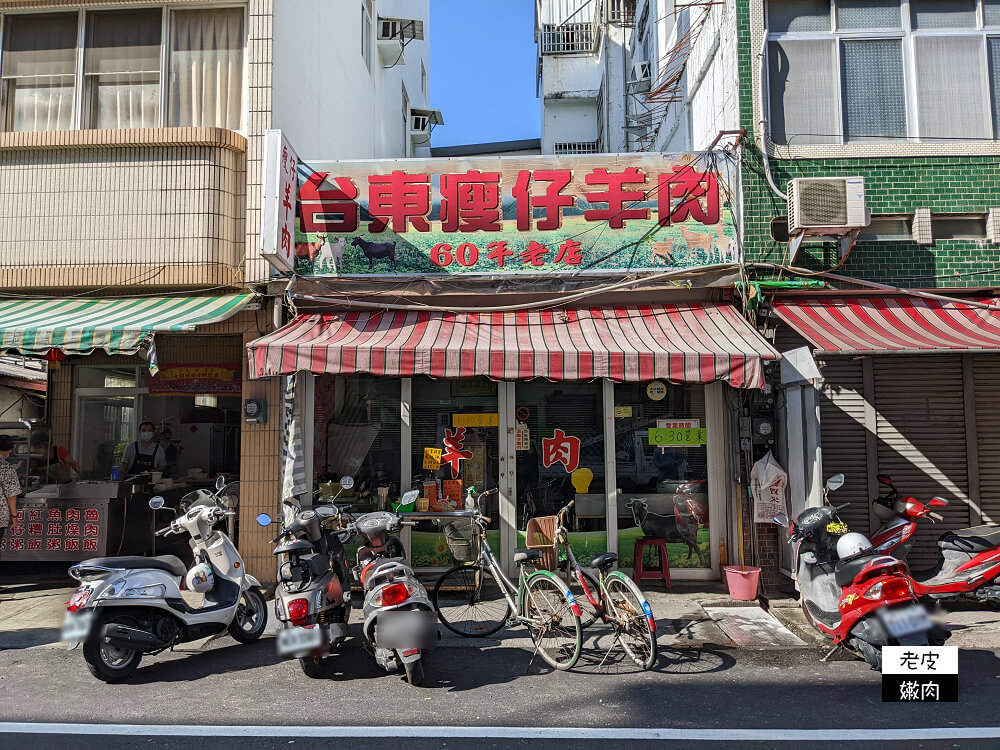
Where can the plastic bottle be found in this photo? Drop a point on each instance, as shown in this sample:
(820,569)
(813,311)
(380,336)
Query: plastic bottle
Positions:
(470,498)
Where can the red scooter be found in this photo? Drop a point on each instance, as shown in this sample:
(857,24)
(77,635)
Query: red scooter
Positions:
(969,559)
(862,600)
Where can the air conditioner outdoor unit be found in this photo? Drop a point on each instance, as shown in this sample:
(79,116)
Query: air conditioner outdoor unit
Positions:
(827,205)
(641,75)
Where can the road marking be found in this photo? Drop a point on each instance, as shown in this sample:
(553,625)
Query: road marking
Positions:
(578,733)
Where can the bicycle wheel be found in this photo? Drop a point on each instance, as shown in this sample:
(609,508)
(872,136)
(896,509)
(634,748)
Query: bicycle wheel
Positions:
(470,602)
(630,616)
(588,612)
(553,620)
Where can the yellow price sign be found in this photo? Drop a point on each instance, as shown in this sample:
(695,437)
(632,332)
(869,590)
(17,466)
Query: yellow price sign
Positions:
(475,420)
(681,436)
(432,458)
(623,412)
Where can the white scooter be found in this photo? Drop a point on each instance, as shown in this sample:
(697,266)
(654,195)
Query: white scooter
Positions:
(130,606)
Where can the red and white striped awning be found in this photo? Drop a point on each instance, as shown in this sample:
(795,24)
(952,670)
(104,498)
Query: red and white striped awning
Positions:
(899,325)
(692,343)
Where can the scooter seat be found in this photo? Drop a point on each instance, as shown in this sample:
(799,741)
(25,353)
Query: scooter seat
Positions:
(974,539)
(847,570)
(527,555)
(168,563)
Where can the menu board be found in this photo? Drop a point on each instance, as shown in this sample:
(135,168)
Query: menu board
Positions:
(56,530)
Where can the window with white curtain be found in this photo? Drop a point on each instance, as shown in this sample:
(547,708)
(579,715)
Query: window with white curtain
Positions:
(38,71)
(849,71)
(138,68)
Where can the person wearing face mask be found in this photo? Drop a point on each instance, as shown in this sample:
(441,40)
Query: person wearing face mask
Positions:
(144,454)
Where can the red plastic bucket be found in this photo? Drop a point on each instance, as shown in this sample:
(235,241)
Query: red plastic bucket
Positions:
(742,582)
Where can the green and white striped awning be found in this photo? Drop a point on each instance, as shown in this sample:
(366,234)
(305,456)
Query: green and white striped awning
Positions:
(116,325)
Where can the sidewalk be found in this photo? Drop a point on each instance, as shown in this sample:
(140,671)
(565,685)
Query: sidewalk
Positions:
(31,615)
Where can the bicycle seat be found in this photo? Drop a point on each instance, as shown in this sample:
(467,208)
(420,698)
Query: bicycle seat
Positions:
(604,561)
(527,555)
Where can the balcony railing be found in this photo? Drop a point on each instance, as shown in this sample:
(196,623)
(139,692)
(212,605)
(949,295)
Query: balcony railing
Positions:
(569,38)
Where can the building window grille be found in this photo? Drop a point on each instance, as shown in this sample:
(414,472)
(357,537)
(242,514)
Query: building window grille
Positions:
(568,38)
(621,12)
(141,68)
(577,147)
(853,71)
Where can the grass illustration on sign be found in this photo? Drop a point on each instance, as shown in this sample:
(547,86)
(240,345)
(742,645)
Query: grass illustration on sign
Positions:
(513,215)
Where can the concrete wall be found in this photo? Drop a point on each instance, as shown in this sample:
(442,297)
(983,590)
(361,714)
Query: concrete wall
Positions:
(568,121)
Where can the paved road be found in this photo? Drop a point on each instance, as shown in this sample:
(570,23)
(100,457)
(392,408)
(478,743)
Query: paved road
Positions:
(689,689)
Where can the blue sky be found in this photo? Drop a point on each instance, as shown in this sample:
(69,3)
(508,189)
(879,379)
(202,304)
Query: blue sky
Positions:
(482,74)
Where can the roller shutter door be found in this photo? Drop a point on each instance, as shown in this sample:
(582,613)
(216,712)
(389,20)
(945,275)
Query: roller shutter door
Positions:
(920,425)
(842,432)
(986,373)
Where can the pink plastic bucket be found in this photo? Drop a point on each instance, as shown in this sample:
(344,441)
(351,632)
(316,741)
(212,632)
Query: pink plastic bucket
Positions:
(742,582)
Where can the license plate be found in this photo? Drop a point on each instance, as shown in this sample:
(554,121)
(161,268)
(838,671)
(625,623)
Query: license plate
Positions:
(76,627)
(906,620)
(406,629)
(296,640)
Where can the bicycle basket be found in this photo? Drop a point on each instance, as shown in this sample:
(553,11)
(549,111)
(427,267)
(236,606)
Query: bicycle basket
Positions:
(463,540)
(541,534)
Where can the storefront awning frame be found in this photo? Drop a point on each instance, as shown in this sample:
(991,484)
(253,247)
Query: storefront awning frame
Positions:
(689,343)
(891,324)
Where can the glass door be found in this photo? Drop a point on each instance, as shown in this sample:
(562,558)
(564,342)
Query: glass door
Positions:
(557,436)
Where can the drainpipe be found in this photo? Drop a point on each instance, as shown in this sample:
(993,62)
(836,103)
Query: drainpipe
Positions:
(763,123)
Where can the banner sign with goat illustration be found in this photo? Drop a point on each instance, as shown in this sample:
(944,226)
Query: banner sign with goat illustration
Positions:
(603,213)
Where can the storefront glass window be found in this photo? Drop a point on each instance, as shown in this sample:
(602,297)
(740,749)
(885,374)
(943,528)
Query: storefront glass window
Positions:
(663,477)
(358,433)
(465,413)
(196,432)
(106,426)
(106,377)
(560,457)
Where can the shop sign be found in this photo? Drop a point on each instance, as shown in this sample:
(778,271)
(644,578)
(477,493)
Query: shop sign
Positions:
(278,210)
(561,449)
(475,420)
(432,458)
(678,424)
(44,531)
(195,378)
(451,491)
(454,452)
(679,437)
(522,439)
(623,412)
(503,215)
(657,390)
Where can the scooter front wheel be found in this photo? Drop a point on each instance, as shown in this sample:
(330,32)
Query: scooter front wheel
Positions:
(415,672)
(312,666)
(106,662)
(250,618)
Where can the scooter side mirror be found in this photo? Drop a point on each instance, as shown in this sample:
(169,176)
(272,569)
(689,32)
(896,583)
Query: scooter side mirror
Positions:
(264,520)
(156,502)
(938,502)
(220,482)
(884,479)
(781,519)
(346,482)
(835,482)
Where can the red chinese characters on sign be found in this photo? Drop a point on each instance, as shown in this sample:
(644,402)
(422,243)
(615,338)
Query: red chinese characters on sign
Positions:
(16,545)
(551,202)
(34,529)
(72,529)
(55,514)
(54,529)
(688,194)
(35,514)
(561,449)
(53,544)
(616,196)
(34,544)
(90,545)
(319,205)
(72,514)
(470,202)
(453,453)
(399,199)
(91,514)
(90,529)
(72,545)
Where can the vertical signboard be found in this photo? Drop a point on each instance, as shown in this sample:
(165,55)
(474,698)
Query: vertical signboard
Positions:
(277,224)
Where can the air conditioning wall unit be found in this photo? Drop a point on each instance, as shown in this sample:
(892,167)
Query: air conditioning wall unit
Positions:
(642,73)
(421,121)
(827,206)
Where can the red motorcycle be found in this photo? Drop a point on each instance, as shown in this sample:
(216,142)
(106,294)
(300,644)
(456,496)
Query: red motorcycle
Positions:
(969,559)
(862,600)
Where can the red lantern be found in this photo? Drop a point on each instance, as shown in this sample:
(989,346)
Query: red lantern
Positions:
(54,357)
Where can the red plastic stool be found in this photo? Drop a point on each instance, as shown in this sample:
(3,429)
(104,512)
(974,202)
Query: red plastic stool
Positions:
(661,571)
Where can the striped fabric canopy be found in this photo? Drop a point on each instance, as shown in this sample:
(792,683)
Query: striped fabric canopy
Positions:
(695,343)
(901,325)
(117,325)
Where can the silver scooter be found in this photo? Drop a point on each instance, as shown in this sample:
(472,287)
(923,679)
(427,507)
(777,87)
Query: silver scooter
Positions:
(313,597)
(130,606)
(400,627)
